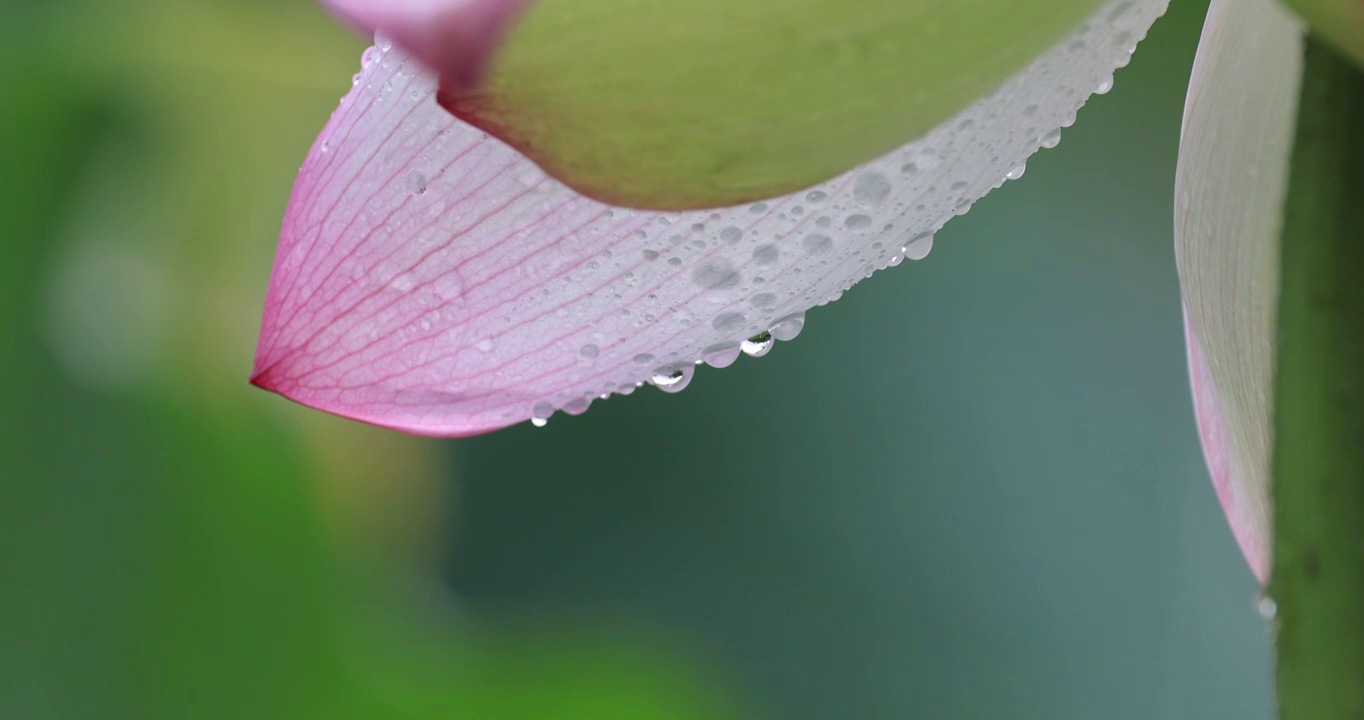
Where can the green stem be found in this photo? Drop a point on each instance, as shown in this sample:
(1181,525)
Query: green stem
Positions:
(1318,577)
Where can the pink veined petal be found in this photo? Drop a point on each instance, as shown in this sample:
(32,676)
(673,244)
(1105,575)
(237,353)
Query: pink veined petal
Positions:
(1229,190)
(456,38)
(430,279)
(1245,513)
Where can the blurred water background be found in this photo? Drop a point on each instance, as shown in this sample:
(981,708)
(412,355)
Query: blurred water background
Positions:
(971,489)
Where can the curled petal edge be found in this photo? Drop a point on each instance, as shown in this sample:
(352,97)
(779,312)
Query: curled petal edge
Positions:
(1229,190)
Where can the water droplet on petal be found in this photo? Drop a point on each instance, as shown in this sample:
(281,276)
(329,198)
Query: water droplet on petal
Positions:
(789,328)
(758,345)
(763,301)
(817,244)
(729,322)
(485,345)
(539,415)
(766,254)
(1121,16)
(722,357)
(919,247)
(858,222)
(416,182)
(577,407)
(719,274)
(1267,608)
(673,379)
(870,188)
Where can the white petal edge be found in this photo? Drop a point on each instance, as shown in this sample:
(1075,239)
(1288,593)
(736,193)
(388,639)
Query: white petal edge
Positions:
(1230,185)
(430,279)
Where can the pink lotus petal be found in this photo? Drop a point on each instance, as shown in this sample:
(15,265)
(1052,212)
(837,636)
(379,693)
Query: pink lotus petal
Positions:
(1229,190)
(454,37)
(1245,512)
(431,279)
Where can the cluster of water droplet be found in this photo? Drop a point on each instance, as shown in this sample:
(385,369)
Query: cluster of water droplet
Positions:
(616,298)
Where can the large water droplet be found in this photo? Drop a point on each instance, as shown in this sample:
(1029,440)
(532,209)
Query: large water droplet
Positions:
(870,188)
(718,274)
(817,244)
(763,301)
(919,247)
(729,322)
(1266,606)
(758,345)
(577,407)
(673,379)
(416,183)
(539,415)
(858,222)
(722,356)
(789,328)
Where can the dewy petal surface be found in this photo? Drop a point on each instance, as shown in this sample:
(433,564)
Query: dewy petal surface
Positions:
(1229,191)
(431,279)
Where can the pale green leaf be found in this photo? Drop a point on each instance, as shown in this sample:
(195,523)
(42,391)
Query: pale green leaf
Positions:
(1339,22)
(667,104)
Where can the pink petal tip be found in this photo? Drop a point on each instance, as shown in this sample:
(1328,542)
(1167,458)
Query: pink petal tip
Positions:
(1232,490)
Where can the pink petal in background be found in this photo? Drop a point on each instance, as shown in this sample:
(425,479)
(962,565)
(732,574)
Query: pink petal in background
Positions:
(1230,184)
(430,279)
(1238,504)
(456,38)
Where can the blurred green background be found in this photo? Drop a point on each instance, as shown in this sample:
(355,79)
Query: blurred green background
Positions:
(972,489)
